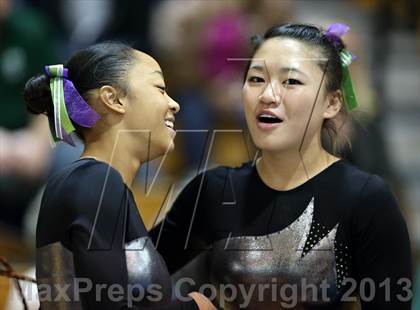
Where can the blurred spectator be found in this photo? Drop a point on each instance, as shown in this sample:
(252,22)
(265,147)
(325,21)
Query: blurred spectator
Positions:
(26,45)
(78,22)
(130,22)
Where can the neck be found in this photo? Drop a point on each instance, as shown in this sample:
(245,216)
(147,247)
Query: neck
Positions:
(119,154)
(287,169)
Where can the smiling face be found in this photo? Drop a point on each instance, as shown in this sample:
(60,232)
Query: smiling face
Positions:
(149,107)
(284,96)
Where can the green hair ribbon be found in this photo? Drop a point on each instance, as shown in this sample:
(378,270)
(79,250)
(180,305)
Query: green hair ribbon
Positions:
(68,105)
(334,33)
(347,84)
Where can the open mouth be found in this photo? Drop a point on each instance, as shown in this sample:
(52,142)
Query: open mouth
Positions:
(269,119)
(169,124)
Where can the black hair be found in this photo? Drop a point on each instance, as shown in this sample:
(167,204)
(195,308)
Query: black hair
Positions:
(101,64)
(333,140)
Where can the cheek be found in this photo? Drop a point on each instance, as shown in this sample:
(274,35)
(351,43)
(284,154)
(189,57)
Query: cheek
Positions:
(144,116)
(300,103)
(249,99)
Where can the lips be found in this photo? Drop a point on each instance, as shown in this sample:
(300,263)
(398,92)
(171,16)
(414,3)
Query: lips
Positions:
(169,123)
(268,120)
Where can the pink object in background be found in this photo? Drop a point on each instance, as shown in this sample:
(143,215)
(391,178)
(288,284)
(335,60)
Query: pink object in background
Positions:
(224,37)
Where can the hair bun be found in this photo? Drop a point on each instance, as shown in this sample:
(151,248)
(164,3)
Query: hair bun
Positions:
(37,95)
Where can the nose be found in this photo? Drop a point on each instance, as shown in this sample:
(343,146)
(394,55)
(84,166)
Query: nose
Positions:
(174,106)
(270,94)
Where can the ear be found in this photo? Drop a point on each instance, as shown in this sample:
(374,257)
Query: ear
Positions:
(334,102)
(109,96)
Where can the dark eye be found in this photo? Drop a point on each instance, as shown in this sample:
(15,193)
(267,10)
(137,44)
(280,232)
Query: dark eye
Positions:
(162,89)
(255,79)
(292,82)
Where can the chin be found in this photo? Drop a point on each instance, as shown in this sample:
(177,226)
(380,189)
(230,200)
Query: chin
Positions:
(167,147)
(170,147)
(274,144)
(160,149)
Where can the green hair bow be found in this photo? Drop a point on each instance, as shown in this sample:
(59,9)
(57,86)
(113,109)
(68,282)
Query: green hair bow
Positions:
(334,33)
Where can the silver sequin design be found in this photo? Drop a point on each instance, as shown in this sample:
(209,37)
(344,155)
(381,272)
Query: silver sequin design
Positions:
(145,267)
(277,260)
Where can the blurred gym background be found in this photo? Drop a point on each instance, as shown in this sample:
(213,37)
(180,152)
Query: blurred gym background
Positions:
(193,41)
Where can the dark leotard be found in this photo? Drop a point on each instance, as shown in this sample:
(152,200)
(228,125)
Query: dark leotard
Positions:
(342,228)
(93,246)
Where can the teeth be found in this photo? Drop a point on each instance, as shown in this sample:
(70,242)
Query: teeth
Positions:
(267,115)
(169,124)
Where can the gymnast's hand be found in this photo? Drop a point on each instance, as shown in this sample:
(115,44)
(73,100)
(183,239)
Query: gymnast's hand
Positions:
(202,301)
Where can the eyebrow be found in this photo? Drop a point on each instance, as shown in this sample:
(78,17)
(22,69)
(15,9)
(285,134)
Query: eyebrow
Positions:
(282,69)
